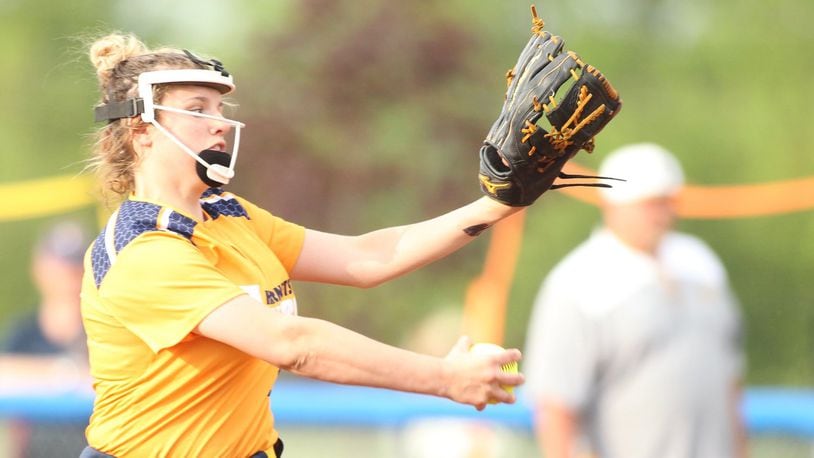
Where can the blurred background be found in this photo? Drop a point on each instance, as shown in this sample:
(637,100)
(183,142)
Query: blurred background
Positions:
(367,113)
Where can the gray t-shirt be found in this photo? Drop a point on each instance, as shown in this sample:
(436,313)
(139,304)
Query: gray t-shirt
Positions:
(645,349)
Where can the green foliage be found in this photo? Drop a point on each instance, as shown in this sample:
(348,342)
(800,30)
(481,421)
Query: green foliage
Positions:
(43,81)
(368,113)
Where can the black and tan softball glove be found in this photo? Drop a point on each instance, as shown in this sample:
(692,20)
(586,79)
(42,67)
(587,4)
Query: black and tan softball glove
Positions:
(555,105)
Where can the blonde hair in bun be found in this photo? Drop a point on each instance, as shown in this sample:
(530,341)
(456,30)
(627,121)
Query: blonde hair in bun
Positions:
(108,51)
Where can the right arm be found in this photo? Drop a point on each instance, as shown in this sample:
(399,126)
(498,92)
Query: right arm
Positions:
(322,350)
(556,428)
(562,360)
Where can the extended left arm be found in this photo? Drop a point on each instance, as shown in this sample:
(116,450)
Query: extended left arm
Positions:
(370,259)
(518,163)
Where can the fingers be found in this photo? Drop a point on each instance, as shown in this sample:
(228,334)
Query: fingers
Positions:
(498,391)
(500,396)
(463,343)
(508,356)
(460,347)
(483,375)
(504,380)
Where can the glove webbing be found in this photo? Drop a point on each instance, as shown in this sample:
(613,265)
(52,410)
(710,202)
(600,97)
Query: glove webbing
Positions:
(561,138)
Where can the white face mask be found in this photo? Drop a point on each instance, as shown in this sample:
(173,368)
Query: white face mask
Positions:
(215,168)
(218,167)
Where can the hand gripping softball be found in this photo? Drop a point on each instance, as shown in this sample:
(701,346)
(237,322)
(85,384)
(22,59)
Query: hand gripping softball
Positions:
(520,159)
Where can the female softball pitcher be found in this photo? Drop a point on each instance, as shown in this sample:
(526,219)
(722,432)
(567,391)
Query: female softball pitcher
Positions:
(187,298)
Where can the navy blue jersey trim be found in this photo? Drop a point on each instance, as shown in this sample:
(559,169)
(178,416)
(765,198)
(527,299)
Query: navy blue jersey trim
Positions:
(133,219)
(181,224)
(216,203)
(99,259)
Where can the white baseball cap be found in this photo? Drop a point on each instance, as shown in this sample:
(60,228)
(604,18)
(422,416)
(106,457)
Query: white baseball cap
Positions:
(649,171)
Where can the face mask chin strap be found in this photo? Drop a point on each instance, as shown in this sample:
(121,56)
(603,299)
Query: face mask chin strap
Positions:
(218,174)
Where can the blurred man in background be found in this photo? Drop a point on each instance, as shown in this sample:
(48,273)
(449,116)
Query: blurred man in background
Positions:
(45,350)
(51,335)
(634,346)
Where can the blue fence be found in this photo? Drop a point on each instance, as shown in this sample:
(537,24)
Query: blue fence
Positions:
(768,410)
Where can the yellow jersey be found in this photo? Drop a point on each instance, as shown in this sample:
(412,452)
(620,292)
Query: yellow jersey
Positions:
(151,276)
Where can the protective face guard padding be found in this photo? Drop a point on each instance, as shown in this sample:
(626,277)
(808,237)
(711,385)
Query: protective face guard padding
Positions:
(214,158)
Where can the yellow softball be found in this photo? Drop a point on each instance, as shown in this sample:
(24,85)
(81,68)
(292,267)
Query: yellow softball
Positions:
(484,348)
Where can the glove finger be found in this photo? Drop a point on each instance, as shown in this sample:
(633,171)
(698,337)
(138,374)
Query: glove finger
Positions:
(541,65)
(555,73)
(535,43)
(498,128)
(547,82)
(542,42)
(538,53)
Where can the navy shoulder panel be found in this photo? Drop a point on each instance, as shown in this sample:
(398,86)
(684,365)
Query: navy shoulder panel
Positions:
(131,220)
(216,203)
(134,218)
(181,224)
(99,259)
